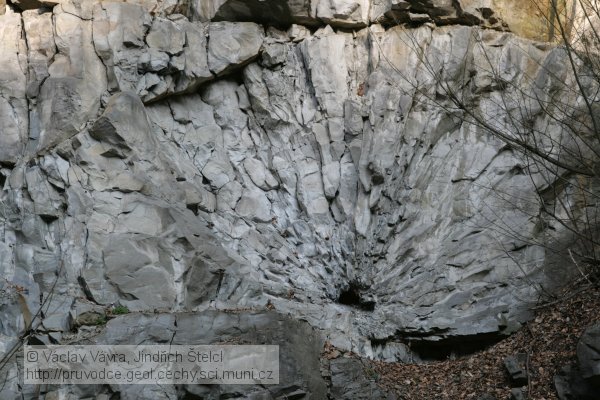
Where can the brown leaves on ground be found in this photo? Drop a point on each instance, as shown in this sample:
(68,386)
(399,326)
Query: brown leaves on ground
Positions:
(550,340)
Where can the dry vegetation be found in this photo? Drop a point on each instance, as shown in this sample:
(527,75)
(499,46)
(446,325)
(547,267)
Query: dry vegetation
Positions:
(550,341)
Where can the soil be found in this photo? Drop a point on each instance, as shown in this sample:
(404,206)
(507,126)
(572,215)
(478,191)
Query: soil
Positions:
(549,340)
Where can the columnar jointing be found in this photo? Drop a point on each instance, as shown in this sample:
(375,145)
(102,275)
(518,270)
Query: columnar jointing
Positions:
(178,156)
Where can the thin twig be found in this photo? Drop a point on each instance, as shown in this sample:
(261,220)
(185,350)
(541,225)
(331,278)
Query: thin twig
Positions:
(579,268)
(563,298)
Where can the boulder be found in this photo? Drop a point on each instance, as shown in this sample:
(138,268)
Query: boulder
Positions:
(570,385)
(588,354)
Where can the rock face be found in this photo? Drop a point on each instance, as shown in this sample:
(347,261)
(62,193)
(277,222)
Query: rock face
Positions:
(299,346)
(348,13)
(524,18)
(172,156)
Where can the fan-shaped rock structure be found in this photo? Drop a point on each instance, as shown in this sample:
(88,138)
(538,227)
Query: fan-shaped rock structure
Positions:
(175,156)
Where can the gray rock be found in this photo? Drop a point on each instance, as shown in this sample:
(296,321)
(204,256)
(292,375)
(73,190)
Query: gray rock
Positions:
(218,172)
(517,369)
(41,48)
(135,172)
(570,385)
(298,32)
(259,174)
(228,195)
(274,55)
(518,394)
(84,313)
(279,12)
(71,95)
(196,69)
(352,13)
(300,346)
(331,179)
(134,47)
(255,205)
(165,36)
(350,379)
(588,354)
(232,44)
(345,14)
(119,41)
(123,125)
(14,121)
(154,61)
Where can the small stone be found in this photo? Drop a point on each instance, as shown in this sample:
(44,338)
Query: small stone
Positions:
(419,17)
(518,394)
(517,371)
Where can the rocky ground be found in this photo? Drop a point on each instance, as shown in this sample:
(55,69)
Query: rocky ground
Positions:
(549,340)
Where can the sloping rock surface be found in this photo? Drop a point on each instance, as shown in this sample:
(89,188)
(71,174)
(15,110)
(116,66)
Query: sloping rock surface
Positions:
(172,158)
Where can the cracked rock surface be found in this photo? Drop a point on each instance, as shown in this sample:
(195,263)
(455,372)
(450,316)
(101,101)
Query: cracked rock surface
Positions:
(190,156)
